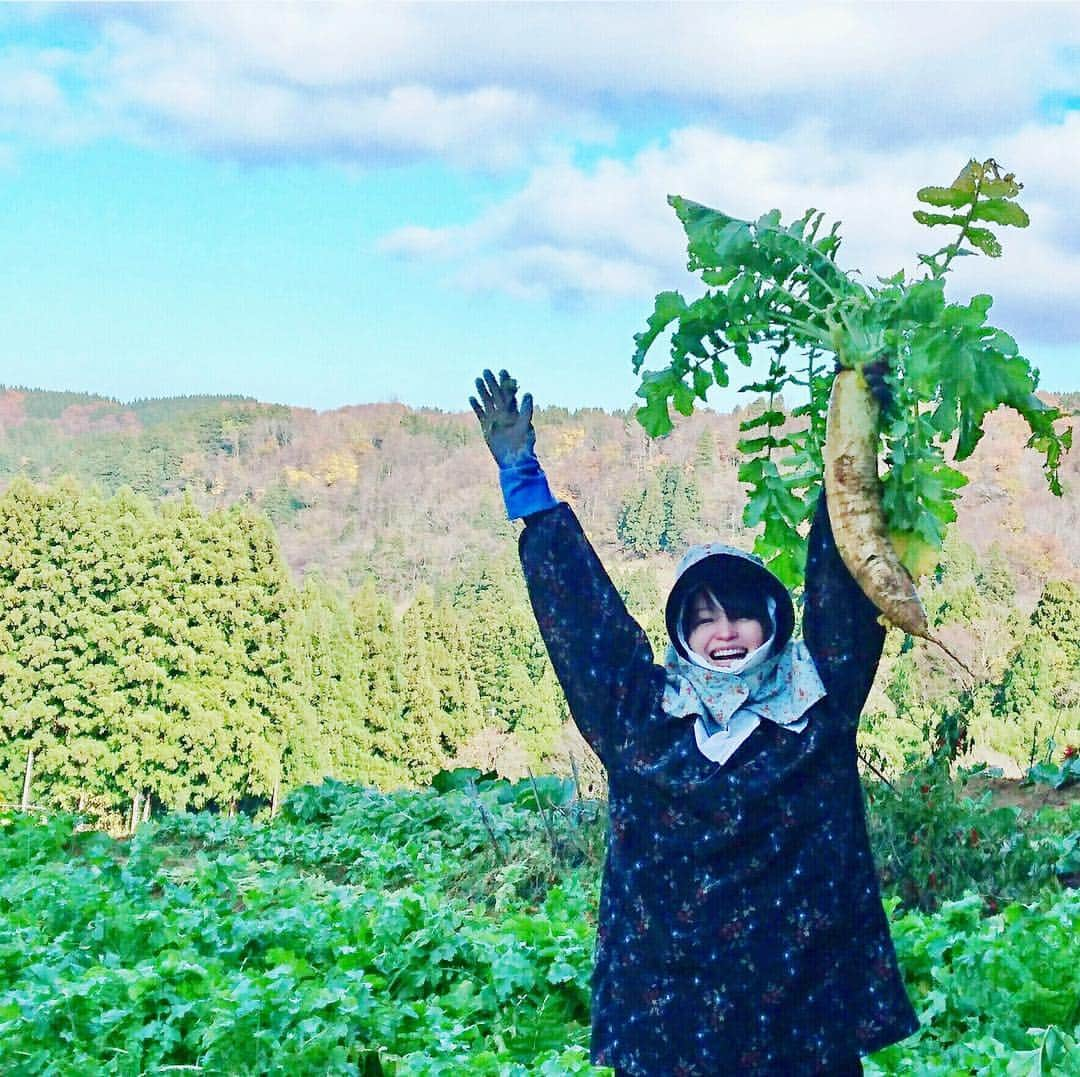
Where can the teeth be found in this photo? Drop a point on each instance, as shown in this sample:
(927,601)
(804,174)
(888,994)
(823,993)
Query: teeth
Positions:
(735,652)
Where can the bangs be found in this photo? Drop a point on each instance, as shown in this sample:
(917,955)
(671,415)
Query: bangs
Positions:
(736,602)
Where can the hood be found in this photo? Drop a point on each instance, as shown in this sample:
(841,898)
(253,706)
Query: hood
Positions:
(721,566)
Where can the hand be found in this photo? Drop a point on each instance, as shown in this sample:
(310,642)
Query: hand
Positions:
(508,432)
(874,373)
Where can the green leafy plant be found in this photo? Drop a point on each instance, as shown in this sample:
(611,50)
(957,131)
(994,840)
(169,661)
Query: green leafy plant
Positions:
(368,933)
(778,287)
(1057,776)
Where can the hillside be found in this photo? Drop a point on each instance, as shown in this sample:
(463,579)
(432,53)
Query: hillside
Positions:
(410,496)
(338,594)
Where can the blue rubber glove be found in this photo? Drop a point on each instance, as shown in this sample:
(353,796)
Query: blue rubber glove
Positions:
(511,438)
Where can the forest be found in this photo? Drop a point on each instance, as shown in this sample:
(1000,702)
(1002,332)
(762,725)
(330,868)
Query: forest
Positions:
(338,595)
(288,784)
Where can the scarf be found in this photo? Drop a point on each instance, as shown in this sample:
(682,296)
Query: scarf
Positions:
(728,705)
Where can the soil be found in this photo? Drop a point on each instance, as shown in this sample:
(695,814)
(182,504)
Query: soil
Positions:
(1010,792)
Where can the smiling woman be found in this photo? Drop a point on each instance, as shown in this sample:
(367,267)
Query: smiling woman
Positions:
(725,631)
(741,928)
(719,631)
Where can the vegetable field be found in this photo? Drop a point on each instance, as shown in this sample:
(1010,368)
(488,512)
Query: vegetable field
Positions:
(450,931)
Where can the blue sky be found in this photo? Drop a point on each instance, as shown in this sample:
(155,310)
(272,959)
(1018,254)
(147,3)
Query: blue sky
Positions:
(324,205)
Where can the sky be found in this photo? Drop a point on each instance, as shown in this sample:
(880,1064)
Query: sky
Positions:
(323,204)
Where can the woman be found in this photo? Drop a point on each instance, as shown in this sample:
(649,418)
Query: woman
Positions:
(741,929)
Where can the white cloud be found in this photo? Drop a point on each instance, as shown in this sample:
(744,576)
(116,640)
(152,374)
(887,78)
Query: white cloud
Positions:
(33,99)
(849,107)
(493,84)
(608,232)
(567,275)
(196,91)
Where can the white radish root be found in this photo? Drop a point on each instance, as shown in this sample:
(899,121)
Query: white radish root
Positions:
(853,491)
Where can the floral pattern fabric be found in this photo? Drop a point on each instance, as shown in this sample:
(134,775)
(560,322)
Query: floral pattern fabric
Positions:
(741,929)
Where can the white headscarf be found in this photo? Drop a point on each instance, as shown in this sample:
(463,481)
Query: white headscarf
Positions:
(729,704)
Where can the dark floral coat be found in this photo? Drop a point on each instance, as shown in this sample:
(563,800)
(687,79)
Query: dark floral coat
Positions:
(741,929)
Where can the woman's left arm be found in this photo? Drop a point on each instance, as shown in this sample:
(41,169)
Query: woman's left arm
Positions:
(840,624)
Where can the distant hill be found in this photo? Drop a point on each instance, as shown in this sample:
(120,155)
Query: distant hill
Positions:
(410,495)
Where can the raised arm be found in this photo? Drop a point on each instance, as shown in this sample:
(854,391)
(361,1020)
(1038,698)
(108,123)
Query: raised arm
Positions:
(840,624)
(601,656)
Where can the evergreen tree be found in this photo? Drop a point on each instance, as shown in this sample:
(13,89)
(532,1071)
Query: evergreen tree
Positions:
(1038,692)
(377,641)
(640,527)
(147,653)
(327,646)
(459,698)
(421,711)
(705,453)
(506,652)
(663,514)
(682,506)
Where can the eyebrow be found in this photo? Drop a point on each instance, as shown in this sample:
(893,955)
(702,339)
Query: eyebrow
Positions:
(702,607)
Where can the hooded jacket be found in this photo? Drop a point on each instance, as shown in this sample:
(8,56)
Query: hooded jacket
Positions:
(741,929)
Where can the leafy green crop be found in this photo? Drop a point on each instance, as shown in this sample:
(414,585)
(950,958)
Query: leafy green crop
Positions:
(381,935)
(779,286)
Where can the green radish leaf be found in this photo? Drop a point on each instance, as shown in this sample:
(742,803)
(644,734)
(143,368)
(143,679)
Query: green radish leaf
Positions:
(937,218)
(921,303)
(766,418)
(970,316)
(1005,187)
(668,306)
(448,780)
(654,417)
(778,293)
(945,196)
(789,565)
(985,240)
(657,387)
(752,445)
(1001,212)
(714,238)
(683,398)
(702,380)
(717,278)
(970,176)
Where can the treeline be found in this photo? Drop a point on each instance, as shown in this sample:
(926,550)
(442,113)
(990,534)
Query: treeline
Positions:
(1021,696)
(149,446)
(157,655)
(404,494)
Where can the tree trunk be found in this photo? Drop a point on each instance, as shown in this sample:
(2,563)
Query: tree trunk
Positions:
(232,809)
(275,799)
(27,780)
(82,802)
(135,805)
(146,809)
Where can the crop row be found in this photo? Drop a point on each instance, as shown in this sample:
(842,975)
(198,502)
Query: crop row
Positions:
(427,933)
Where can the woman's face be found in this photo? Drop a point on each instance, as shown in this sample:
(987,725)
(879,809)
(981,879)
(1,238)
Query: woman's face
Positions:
(720,640)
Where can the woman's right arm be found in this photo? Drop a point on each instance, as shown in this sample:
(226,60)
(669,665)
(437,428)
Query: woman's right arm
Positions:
(601,655)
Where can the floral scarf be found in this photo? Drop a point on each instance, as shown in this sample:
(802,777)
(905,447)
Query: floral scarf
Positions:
(729,705)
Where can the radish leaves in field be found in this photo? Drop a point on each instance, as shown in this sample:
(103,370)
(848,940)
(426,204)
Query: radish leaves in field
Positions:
(778,286)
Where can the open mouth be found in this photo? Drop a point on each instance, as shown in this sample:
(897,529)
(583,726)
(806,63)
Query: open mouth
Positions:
(727,654)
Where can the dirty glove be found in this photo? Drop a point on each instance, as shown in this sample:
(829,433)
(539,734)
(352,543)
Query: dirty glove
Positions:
(875,373)
(510,437)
